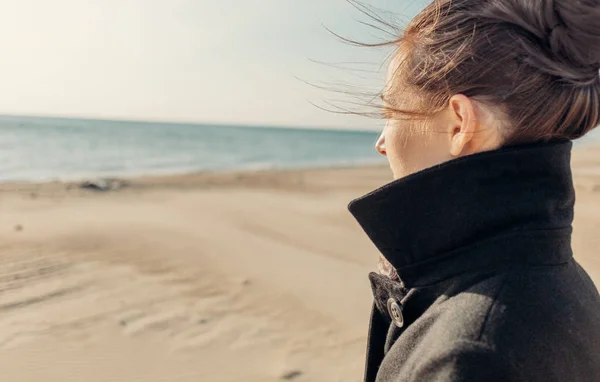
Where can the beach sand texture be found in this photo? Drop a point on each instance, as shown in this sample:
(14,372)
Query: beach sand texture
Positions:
(222,277)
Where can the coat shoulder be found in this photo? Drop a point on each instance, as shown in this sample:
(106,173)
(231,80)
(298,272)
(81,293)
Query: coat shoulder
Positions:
(539,303)
(538,323)
(545,322)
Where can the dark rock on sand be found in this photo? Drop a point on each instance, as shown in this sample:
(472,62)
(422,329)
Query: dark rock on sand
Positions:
(103,185)
(291,375)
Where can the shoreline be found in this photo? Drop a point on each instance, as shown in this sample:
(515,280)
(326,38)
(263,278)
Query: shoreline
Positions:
(264,178)
(193,173)
(584,163)
(133,177)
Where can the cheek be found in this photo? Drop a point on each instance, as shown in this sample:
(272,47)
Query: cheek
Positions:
(401,138)
(413,148)
(400,145)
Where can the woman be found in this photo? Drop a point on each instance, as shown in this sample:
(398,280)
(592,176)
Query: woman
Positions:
(477,279)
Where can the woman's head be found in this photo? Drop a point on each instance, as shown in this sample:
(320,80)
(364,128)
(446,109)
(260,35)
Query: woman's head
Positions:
(474,75)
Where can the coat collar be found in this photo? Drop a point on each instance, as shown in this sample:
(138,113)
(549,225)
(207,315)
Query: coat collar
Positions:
(474,211)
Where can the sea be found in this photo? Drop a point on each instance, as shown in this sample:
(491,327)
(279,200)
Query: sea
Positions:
(36,149)
(45,149)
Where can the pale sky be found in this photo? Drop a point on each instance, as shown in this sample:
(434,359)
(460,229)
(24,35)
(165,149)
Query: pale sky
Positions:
(221,61)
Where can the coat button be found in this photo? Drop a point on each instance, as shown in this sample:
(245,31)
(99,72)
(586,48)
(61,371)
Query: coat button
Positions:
(395,310)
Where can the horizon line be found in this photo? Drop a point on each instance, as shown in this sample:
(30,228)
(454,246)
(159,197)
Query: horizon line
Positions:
(185,122)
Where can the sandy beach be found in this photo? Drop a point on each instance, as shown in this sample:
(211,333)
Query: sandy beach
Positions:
(209,277)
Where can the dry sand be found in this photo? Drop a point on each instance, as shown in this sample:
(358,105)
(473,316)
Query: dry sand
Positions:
(230,277)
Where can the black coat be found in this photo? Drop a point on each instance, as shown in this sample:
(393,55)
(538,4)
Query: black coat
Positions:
(487,286)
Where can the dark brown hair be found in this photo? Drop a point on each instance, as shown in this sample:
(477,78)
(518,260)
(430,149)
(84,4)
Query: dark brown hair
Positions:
(536,62)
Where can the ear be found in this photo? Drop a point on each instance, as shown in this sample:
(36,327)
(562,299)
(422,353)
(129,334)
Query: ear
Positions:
(463,124)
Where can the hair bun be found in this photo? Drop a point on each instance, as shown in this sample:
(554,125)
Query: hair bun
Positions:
(566,32)
(573,36)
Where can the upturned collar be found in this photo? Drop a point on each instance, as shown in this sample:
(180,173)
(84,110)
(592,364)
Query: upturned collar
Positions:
(514,204)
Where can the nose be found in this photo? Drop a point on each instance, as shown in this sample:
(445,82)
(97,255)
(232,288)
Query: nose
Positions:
(380,145)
